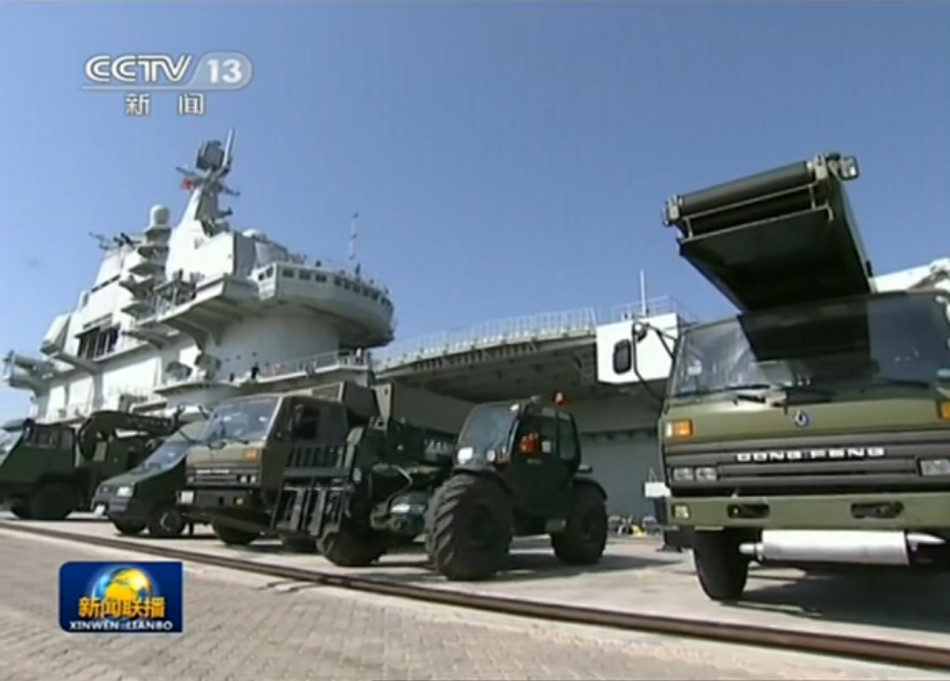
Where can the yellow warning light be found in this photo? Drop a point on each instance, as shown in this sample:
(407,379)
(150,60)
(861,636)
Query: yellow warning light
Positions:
(944,410)
(678,429)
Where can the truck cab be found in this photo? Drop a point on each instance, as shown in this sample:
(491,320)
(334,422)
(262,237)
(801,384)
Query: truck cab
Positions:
(53,469)
(813,427)
(234,475)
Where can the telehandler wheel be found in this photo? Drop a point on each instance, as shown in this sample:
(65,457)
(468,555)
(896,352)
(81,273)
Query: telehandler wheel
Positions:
(21,511)
(232,536)
(470,530)
(53,501)
(128,527)
(349,548)
(721,569)
(298,543)
(583,540)
(165,522)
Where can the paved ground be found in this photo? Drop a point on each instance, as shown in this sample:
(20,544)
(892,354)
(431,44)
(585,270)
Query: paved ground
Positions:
(633,576)
(242,627)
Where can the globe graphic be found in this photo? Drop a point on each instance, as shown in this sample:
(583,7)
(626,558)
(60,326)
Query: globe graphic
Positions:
(122,584)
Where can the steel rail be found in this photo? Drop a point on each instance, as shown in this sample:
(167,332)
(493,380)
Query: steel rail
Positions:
(837,645)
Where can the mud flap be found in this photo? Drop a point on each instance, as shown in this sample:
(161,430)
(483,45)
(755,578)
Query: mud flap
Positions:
(782,237)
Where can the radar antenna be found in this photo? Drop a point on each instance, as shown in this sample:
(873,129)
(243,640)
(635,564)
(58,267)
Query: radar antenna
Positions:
(206,183)
(103,242)
(354,266)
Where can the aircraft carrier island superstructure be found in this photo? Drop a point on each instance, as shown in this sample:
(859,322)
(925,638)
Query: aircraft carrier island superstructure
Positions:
(189,314)
(197,312)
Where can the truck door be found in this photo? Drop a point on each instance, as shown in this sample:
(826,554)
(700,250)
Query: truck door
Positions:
(539,475)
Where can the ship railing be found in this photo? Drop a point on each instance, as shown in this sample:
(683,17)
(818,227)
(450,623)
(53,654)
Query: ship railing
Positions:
(314,363)
(574,323)
(546,326)
(650,308)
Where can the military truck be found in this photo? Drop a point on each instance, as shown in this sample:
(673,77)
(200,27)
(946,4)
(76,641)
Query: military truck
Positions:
(145,496)
(814,426)
(513,471)
(53,469)
(236,477)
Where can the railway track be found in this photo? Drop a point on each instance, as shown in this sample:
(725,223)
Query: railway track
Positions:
(865,649)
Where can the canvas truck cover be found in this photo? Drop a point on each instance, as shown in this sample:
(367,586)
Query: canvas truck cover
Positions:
(781,237)
(421,408)
(359,400)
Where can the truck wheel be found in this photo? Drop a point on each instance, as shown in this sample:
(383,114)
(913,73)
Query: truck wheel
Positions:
(232,536)
(299,543)
(721,569)
(165,522)
(53,501)
(470,528)
(128,527)
(347,548)
(583,540)
(21,511)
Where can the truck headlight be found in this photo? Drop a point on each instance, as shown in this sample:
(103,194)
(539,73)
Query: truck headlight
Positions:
(124,491)
(465,454)
(933,467)
(683,475)
(699,474)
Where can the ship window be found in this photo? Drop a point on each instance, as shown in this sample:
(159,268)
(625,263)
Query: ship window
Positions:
(269,272)
(337,281)
(321,277)
(287,273)
(260,276)
(374,295)
(98,342)
(304,276)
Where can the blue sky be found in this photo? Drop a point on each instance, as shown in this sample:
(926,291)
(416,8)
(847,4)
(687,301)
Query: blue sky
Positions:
(505,158)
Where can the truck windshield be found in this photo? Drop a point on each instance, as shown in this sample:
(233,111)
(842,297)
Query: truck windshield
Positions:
(7,441)
(488,426)
(886,340)
(174,448)
(243,420)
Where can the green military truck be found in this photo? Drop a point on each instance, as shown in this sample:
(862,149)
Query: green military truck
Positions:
(49,470)
(515,470)
(814,426)
(236,476)
(145,496)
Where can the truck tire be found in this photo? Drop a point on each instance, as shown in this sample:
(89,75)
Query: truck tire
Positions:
(298,543)
(583,540)
(470,528)
(347,548)
(21,511)
(53,501)
(128,527)
(165,522)
(233,536)
(721,569)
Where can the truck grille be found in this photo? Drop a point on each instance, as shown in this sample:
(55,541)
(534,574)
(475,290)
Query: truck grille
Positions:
(223,477)
(805,465)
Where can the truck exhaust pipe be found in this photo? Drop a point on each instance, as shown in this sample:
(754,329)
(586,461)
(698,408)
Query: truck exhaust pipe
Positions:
(867,547)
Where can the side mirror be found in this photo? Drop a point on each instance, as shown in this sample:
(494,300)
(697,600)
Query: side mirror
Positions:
(640,331)
(623,356)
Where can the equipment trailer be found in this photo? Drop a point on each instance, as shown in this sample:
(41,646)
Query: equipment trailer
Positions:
(814,427)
